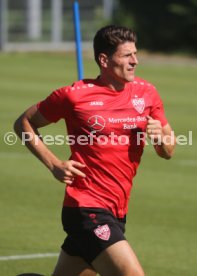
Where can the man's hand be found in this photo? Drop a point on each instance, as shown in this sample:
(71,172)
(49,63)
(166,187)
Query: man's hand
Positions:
(163,138)
(154,129)
(66,171)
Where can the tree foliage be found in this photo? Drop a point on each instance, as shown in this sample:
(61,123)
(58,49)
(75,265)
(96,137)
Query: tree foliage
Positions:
(161,25)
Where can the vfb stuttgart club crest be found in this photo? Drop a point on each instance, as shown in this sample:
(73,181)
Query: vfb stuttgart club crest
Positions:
(103,232)
(139,104)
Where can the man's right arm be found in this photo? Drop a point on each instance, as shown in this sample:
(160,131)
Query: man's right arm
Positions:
(28,124)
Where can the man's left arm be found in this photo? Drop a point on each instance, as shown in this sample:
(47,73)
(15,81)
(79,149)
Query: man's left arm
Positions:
(162,137)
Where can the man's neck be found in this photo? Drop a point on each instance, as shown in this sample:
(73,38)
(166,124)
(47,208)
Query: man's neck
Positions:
(114,85)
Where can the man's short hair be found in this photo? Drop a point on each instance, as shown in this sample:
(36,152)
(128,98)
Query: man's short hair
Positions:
(109,37)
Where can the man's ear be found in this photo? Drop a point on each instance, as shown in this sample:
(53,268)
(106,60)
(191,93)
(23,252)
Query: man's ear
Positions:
(103,60)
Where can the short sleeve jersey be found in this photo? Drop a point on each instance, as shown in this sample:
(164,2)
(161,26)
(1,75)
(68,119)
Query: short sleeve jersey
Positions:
(105,132)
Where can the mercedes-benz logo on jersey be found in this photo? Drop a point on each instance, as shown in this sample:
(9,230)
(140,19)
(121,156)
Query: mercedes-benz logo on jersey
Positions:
(96,122)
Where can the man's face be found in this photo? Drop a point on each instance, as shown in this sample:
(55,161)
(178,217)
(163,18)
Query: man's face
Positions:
(121,65)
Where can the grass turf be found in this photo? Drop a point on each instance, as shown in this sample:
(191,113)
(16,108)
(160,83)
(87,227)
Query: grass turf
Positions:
(161,224)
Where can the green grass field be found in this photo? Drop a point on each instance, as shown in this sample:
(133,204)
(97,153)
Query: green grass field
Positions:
(161,224)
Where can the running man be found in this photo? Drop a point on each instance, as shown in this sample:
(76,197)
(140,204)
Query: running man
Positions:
(106,119)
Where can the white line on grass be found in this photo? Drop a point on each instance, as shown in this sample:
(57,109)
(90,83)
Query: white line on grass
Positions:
(30,256)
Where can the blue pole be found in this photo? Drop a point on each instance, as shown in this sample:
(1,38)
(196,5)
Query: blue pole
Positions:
(78,39)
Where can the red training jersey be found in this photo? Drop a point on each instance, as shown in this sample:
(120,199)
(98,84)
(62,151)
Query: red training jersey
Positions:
(103,131)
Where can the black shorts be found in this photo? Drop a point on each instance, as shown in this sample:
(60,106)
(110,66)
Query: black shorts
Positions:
(90,231)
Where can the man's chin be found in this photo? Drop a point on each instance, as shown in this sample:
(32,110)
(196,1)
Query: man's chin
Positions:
(130,79)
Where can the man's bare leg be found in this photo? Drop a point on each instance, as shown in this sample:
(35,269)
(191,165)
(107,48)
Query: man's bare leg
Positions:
(72,266)
(118,260)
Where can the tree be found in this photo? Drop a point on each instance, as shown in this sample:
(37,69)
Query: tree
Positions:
(161,25)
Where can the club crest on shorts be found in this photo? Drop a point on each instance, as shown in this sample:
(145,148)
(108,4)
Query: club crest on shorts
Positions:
(103,232)
(139,104)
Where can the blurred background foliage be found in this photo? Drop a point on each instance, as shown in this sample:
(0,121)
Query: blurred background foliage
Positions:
(161,25)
